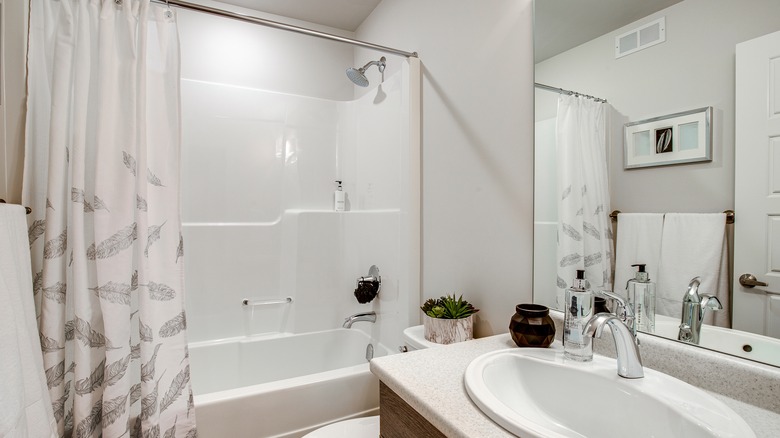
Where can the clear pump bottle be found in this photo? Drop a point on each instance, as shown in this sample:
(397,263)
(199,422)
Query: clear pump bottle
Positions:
(641,298)
(578,310)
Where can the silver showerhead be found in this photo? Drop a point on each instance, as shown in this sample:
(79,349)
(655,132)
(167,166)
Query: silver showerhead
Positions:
(358,75)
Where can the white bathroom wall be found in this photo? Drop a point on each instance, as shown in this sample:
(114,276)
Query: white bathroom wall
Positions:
(477,144)
(257,172)
(222,50)
(268,125)
(372,151)
(692,69)
(250,155)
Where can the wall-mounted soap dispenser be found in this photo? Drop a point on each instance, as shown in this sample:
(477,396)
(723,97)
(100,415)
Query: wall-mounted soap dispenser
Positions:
(339,198)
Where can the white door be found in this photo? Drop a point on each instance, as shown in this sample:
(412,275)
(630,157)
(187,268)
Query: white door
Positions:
(757,186)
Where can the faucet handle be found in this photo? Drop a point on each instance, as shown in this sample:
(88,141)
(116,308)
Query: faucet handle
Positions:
(710,302)
(625,312)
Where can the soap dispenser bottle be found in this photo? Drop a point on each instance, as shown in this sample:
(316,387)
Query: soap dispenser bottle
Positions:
(578,310)
(641,298)
(339,198)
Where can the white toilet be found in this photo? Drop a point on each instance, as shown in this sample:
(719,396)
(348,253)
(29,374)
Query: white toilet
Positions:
(365,427)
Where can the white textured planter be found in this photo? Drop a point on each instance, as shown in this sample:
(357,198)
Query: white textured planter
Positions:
(448,331)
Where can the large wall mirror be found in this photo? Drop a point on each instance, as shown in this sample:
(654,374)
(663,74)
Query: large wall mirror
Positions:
(575,44)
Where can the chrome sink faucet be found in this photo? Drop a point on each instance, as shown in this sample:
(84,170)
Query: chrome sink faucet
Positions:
(363,316)
(694,308)
(629,362)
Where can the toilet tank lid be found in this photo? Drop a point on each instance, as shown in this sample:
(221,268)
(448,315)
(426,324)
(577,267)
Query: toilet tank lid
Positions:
(415,337)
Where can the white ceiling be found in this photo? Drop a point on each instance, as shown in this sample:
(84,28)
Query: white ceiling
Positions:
(559,25)
(340,14)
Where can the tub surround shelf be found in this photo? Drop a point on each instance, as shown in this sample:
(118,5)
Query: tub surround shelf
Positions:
(431,382)
(364,211)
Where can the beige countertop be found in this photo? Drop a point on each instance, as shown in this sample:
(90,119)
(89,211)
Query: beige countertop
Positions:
(431,381)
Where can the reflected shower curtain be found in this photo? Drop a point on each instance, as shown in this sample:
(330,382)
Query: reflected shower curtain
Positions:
(102,178)
(584,227)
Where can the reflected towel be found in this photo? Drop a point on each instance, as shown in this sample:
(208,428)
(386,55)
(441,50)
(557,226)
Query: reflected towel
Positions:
(694,245)
(638,241)
(25,406)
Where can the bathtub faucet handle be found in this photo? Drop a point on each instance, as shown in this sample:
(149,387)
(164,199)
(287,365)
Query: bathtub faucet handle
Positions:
(367,288)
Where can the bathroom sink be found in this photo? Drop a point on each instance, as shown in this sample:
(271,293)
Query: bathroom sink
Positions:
(535,392)
(735,342)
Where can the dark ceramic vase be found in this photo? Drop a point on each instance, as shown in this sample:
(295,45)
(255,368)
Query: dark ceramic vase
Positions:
(600,305)
(531,326)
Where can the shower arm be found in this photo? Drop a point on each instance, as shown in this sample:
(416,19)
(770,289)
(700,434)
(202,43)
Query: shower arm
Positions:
(380,65)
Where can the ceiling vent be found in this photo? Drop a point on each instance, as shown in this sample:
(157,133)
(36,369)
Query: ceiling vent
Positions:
(640,38)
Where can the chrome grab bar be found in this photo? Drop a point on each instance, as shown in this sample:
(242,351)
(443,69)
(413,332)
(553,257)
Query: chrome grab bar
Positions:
(255,302)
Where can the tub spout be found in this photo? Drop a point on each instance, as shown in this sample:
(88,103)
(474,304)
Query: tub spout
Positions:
(363,316)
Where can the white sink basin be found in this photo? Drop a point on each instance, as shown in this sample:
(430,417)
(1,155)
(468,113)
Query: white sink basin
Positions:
(535,392)
(735,342)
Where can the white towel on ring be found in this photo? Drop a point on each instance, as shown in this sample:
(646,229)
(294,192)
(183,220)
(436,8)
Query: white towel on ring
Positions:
(25,406)
(694,245)
(638,241)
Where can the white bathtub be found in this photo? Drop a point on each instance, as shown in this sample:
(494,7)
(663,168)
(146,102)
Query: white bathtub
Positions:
(282,385)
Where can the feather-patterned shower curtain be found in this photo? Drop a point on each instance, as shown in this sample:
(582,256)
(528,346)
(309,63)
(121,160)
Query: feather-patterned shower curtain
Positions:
(584,227)
(102,177)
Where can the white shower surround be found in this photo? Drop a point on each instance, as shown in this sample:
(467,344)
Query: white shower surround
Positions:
(258,171)
(257,178)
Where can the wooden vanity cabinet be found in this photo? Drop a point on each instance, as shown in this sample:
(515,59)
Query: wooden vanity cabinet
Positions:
(399,420)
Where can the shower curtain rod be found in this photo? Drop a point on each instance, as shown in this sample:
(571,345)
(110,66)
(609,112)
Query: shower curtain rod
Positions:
(568,92)
(282,26)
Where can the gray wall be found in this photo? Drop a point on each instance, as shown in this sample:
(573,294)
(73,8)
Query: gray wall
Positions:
(477,145)
(694,68)
(14,37)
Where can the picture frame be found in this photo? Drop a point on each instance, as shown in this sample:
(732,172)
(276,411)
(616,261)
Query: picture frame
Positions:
(678,138)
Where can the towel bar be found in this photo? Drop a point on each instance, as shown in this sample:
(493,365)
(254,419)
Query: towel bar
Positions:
(729,215)
(253,302)
(27,209)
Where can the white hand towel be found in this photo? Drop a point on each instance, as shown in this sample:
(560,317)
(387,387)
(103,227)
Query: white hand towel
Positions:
(25,406)
(638,241)
(694,245)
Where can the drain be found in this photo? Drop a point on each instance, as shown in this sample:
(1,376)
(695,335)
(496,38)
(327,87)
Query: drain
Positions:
(747,348)
(369,352)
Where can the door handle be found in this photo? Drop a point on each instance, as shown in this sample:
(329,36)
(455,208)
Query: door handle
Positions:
(749,280)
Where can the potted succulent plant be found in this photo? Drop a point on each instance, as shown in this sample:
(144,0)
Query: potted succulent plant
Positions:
(448,319)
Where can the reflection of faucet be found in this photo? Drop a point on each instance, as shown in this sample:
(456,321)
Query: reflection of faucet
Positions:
(623,311)
(694,307)
(629,363)
(363,316)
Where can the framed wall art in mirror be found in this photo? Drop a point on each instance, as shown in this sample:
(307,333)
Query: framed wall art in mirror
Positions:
(684,137)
